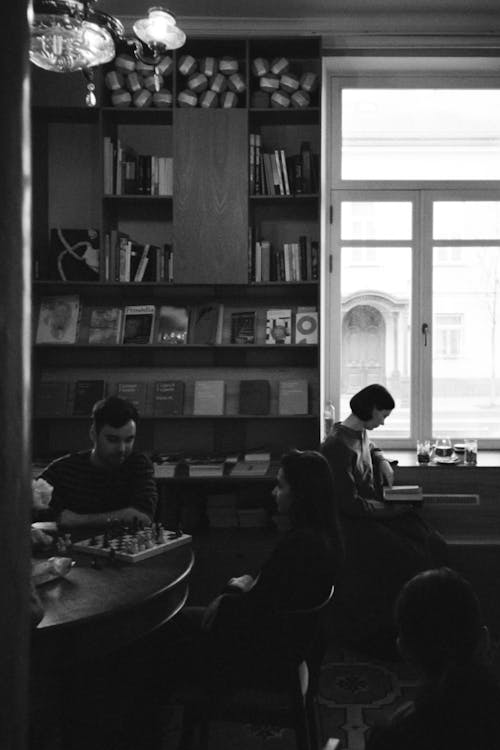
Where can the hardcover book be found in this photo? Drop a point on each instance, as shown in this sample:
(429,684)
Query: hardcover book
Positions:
(205,324)
(168,398)
(293,397)
(243,327)
(279,326)
(135,392)
(87,392)
(254,397)
(252,464)
(51,398)
(209,397)
(172,325)
(58,320)
(74,255)
(105,325)
(306,327)
(138,324)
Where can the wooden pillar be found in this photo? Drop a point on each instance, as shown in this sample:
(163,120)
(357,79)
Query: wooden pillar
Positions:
(15,388)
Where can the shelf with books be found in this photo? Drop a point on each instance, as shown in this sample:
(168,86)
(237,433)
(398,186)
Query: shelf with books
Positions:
(208,230)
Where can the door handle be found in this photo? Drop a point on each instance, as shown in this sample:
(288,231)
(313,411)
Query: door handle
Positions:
(425,331)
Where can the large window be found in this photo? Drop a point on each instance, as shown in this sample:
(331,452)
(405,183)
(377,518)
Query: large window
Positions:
(412,286)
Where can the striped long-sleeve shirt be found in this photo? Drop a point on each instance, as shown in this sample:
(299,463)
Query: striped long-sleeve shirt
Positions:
(81,487)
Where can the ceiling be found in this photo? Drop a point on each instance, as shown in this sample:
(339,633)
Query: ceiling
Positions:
(327,18)
(295,9)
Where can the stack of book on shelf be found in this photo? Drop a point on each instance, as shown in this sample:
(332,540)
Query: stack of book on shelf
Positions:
(293,261)
(221,510)
(128,173)
(403,493)
(164,466)
(60,322)
(126,260)
(206,467)
(272,172)
(252,465)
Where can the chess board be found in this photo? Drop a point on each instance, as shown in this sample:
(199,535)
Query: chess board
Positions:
(132,547)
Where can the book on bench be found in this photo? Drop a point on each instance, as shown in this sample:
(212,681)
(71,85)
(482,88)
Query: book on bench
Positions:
(410,493)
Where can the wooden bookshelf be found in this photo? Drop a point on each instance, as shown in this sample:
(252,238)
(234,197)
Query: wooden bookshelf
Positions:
(210,221)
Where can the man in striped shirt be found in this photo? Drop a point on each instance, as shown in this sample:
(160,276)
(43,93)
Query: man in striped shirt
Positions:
(110,482)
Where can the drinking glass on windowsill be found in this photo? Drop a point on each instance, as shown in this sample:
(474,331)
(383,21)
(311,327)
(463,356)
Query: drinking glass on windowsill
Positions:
(424,451)
(443,448)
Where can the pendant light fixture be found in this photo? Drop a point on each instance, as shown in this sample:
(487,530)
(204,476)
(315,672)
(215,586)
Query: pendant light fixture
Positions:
(71,35)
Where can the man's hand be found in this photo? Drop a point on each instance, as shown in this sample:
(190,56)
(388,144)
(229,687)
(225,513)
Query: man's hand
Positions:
(41,494)
(386,472)
(39,538)
(245,582)
(375,504)
(125,515)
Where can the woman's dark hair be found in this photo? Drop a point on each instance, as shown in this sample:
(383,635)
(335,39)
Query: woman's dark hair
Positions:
(314,501)
(372,397)
(114,411)
(439,620)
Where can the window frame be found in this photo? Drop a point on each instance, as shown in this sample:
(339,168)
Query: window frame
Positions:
(391,72)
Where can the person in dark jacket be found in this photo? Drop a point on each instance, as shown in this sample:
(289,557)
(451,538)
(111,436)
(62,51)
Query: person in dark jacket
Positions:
(440,632)
(241,630)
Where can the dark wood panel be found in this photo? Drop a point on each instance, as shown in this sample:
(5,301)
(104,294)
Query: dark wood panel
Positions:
(467,523)
(210,196)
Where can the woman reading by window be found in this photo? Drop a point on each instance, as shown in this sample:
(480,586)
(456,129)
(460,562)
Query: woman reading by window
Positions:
(385,546)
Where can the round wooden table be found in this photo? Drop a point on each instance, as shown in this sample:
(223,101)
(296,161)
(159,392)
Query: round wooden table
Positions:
(94,619)
(98,609)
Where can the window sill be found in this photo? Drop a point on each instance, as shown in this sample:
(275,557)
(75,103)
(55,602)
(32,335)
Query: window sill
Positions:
(485,459)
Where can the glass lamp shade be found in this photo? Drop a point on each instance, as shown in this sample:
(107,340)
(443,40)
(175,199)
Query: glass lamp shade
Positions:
(159,29)
(67,36)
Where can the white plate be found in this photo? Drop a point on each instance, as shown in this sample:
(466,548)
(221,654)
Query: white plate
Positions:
(447,460)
